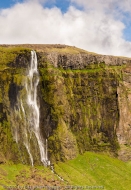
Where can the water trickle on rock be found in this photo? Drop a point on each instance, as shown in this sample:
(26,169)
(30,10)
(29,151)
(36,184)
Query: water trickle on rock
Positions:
(29,113)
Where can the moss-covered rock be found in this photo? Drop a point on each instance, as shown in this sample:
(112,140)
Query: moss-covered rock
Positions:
(84,102)
(13,62)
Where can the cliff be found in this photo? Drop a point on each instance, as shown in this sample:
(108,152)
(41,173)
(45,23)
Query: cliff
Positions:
(84,102)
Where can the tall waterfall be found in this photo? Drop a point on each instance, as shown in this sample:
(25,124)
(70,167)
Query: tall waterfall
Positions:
(29,113)
(34,116)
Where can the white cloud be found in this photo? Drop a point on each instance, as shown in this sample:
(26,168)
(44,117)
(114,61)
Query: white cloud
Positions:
(105,5)
(94,30)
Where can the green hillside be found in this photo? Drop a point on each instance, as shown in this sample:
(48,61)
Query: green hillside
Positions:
(90,170)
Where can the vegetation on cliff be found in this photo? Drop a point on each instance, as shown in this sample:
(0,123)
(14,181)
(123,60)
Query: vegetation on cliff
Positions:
(82,103)
(13,61)
(85,105)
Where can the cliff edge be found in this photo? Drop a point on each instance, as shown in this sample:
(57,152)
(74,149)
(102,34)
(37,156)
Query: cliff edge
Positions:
(84,102)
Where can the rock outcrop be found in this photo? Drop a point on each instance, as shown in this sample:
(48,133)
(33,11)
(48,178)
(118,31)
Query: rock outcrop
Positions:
(84,101)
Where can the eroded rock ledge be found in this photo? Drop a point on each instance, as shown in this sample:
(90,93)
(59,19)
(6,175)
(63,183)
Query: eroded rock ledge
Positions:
(85,101)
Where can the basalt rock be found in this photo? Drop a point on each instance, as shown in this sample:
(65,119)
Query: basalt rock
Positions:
(84,101)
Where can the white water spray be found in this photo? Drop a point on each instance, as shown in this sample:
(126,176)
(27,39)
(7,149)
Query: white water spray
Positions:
(32,102)
(27,114)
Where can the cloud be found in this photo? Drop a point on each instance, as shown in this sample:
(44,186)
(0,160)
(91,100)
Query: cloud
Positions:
(105,5)
(93,28)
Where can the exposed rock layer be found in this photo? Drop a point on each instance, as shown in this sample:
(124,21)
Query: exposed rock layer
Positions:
(85,101)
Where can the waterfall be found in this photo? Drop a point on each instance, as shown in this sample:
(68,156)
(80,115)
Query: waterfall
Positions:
(32,102)
(29,113)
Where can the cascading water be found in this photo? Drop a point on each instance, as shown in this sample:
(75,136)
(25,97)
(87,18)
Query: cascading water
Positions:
(29,113)
(34,115)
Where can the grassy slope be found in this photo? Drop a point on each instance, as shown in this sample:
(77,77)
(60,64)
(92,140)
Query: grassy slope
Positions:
(8,54)
(96,169)
(13,49)
(90,169)
(23,176)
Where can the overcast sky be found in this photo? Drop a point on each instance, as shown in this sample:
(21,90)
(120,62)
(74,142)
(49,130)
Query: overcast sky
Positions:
(101,26)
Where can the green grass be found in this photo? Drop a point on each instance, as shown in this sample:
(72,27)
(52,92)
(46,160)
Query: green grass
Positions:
(89,169)
(90,69)
(96,170)
(8,55)
(57,48)
(23,176)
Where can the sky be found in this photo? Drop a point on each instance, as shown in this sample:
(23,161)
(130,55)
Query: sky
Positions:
(101,26)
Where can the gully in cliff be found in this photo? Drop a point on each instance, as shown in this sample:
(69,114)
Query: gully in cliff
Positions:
(29,111)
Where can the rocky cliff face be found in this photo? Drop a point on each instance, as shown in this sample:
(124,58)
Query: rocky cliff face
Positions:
(84,101)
